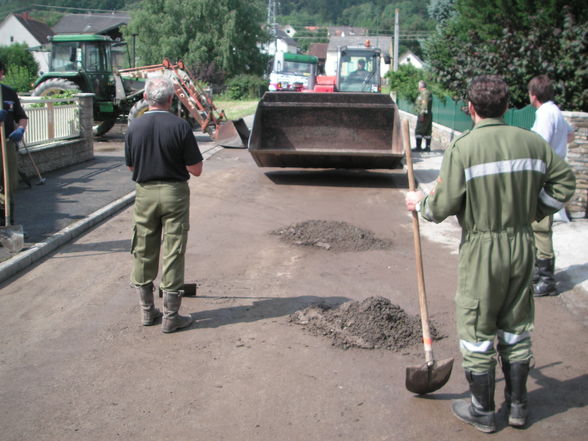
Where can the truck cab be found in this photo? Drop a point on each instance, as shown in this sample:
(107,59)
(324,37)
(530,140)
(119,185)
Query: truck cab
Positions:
(292,72)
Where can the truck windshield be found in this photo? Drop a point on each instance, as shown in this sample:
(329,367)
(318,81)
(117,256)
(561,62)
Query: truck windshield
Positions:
(292,67)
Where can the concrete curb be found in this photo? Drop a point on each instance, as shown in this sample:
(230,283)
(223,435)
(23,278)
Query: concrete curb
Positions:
(39,250)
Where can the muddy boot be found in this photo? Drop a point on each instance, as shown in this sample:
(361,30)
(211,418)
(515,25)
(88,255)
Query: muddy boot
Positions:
(150,313)
(515,391)
(545,285)
(479,412)
(172,320)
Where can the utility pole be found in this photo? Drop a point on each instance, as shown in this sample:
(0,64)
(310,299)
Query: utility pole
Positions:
(272,7)
(396,38)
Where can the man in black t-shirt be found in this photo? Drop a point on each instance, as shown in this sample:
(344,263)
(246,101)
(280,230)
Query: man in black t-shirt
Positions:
(15,123)
(162,153)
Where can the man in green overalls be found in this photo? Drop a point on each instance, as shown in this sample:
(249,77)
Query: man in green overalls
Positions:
(162,153)
(496,179)
(424,125)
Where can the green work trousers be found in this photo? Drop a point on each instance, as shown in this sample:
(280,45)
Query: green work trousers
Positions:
(494,299)
(543,232)
(161,207)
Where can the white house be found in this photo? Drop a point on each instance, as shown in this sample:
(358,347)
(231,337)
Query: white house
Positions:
(20,28)
(409,58)
(280,43)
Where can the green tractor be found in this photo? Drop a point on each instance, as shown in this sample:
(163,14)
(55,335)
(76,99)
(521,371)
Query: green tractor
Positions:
(84,63)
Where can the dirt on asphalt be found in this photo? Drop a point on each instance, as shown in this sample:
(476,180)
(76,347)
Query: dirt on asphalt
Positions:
(373,323)
(332,236)
(76,364)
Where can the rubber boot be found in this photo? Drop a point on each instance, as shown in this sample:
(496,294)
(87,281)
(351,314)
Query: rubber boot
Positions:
(545,285)
(427,148)
(172,320)
(515,391)
(479,411)
(150,313)
(418,145)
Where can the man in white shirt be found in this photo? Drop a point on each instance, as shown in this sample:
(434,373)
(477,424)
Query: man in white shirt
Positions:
(551,125)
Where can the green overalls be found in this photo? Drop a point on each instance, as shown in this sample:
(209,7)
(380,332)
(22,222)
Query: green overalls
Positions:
(497,179)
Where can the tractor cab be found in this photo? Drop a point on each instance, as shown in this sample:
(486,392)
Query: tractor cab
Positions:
(86,60)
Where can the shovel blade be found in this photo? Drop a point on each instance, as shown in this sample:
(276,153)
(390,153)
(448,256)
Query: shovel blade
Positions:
(233,134)
(12,238)
(429,377)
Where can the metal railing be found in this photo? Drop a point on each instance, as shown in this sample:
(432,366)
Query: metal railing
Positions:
(51,119)
(449,113)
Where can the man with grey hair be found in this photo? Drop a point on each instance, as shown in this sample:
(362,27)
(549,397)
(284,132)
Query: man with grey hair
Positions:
(424,125)
(162,153)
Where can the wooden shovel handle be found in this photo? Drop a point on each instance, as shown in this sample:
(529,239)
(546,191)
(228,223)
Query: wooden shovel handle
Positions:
(427,341)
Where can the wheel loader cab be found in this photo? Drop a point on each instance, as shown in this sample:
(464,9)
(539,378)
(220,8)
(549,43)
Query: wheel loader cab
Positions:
(359,71)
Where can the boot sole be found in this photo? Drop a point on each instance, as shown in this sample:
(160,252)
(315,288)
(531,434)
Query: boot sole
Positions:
(169,331)
(480,427)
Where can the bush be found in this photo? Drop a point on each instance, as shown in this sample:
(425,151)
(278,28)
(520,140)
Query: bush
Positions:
(21,67)
(245,86)
(405,82)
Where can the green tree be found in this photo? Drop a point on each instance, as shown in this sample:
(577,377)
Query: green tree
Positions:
(21,66)
(201,32)
(550,41)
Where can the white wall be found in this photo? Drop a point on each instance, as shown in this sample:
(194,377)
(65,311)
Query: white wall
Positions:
(12,31)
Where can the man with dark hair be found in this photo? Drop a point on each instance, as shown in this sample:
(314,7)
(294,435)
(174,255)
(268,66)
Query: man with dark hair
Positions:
(15,123)
(551,125)
(496,179)
(162,153)
(424,125)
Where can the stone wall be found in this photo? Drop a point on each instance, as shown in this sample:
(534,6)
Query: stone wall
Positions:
(577,155)
(578,159)
(59,154)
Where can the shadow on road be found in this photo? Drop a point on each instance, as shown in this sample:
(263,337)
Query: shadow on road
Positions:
(571,277)
(340,178)
(262,308)
(555,396)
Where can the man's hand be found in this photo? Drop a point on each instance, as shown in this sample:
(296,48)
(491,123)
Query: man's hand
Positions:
(412,198)
(17,135)
(3,115)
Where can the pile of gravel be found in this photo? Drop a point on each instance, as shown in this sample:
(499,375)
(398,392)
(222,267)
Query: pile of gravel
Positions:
(374,323)
(331,236)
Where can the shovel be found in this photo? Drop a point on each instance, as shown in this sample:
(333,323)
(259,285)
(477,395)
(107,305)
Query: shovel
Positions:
(432,375)
(11,236)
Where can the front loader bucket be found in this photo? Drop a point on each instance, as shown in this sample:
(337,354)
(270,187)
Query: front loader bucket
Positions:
(326,130)
(232,134)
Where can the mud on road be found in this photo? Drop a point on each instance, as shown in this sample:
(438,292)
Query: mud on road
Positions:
(75,363)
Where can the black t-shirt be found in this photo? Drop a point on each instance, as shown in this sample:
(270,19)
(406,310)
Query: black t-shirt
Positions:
(11,104)
(159,146)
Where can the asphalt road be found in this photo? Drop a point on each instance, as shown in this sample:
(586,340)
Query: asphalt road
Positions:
(75,363)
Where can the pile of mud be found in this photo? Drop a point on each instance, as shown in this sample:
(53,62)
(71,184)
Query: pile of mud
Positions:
(332,236)
(374,323)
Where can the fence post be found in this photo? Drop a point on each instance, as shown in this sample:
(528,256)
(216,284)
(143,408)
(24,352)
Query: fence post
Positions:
(50,121)
(86,103)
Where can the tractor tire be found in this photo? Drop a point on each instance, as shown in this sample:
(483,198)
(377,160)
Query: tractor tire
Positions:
(101,127)
(55,86)
(138,110)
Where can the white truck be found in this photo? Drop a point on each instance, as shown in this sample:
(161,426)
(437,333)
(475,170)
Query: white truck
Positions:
(293,72)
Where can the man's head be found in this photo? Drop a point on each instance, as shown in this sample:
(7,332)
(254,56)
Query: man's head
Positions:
(361,64)
(422,85)
(159,91)
(488,94)
(541,87)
